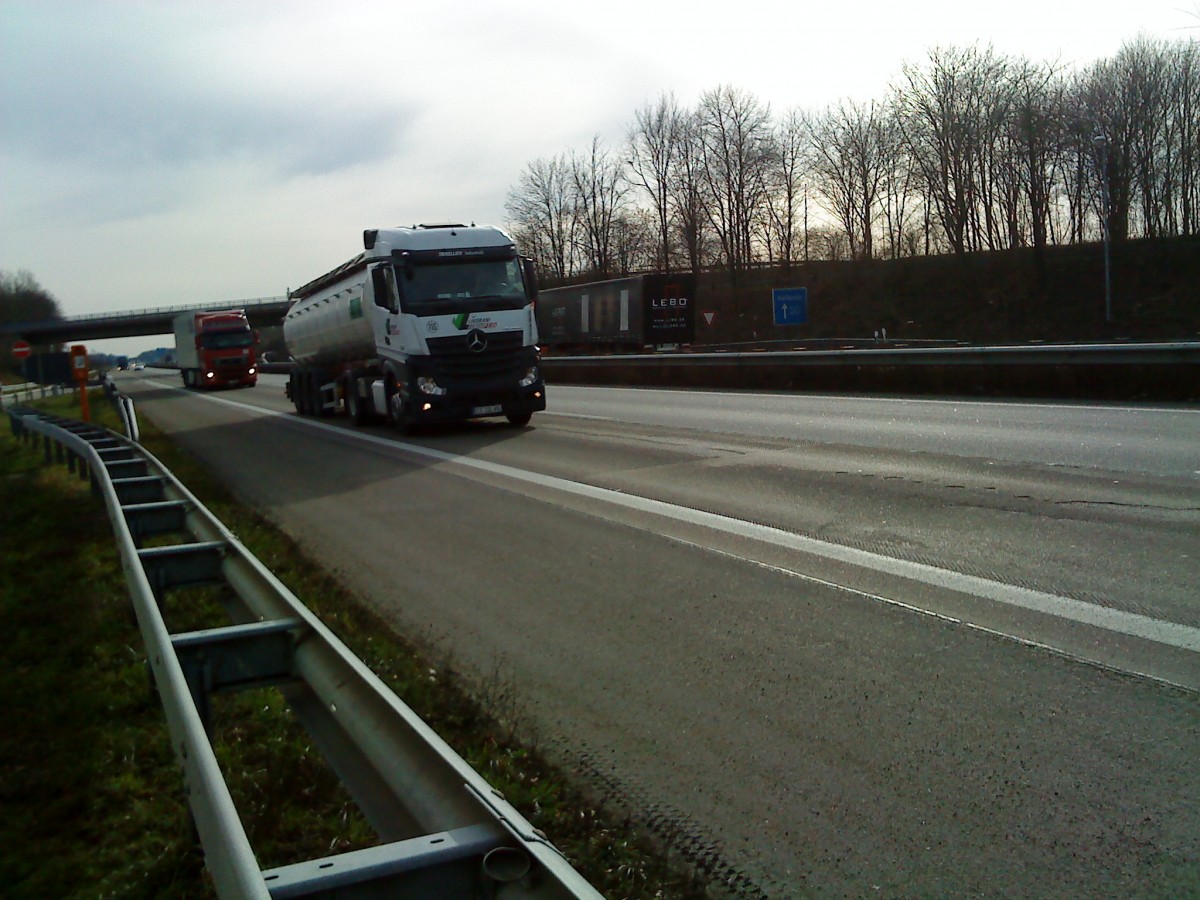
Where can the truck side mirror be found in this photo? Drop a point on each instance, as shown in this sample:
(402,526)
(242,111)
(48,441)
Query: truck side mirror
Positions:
(381,287)
(531,281)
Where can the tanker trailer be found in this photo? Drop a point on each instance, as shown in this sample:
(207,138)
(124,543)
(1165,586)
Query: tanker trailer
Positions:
(433,323)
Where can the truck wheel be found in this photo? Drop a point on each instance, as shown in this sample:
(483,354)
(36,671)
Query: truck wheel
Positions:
(397,410)
(519,420)
(355,406)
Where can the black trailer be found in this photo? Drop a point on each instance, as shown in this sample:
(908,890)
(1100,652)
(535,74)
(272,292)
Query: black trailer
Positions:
(622,315)
(49,367)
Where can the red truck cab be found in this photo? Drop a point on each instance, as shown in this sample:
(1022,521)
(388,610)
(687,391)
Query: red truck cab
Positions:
(216,349)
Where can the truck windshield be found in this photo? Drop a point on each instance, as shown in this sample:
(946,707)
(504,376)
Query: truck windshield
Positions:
(493,283)
(227,340)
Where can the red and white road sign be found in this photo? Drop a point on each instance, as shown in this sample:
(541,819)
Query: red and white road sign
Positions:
(21,349)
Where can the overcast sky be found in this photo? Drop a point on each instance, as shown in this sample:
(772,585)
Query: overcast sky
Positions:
(163,153)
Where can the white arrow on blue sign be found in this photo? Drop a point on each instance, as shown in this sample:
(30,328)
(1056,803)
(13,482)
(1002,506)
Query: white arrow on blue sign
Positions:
(791,305)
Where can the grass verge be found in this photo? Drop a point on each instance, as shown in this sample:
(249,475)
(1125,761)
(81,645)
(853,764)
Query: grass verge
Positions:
(91,794)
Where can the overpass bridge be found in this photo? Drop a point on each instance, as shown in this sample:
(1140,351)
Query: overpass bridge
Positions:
(263,312)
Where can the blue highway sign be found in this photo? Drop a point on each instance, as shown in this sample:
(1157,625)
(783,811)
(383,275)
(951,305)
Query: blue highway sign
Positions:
(791,305)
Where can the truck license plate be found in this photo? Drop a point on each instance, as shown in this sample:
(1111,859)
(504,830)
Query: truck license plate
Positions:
(486,410)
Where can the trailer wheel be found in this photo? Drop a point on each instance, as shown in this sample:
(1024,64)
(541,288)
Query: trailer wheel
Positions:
(295,391)
(307,406)
(319,408)
(519,420)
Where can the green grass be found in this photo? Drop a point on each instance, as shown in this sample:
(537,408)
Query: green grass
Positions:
(91,795)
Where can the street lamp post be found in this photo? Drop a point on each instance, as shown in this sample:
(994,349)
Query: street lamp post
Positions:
(1101,143)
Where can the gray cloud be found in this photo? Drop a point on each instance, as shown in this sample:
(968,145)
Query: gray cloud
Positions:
(110,97)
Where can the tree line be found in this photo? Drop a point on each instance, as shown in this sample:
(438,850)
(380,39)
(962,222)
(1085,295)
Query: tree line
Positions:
(968,150)
(22,299)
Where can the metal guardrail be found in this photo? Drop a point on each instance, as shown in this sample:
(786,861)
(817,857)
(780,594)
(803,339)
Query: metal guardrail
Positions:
(445,831)
(1168,370)
(124,406)
(16,393)
(897,353)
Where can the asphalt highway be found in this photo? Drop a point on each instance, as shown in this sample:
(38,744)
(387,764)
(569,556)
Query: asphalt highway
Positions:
(837,646)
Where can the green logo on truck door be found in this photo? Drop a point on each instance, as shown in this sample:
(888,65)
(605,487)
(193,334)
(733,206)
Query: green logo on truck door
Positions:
(463,321)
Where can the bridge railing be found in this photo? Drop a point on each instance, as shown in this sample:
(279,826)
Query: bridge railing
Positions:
(34,328)
(250,304)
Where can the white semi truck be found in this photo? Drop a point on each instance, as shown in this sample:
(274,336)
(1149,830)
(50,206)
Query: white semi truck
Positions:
(432,323)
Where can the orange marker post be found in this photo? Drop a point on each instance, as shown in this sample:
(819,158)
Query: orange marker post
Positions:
(79,364)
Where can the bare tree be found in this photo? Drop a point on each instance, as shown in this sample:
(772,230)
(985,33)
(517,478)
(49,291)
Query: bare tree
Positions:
(849,153)
(1185,101)
(687,193)
(1166,78)
(1106,103)
(635,242)
(22,299)
(948,118)
(542,210)
(971,151)
(786,184)
(654,149)
(1035,139)
(599,188)
(900,203)
(735,140)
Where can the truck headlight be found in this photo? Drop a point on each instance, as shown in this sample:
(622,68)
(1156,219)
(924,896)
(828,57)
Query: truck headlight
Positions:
(531,377)
(427,385)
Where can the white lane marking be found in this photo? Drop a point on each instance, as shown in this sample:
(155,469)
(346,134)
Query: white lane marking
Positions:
(577,416)
(1172,634)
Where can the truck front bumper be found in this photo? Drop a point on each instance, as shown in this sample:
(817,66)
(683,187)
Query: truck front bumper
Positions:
(448,408)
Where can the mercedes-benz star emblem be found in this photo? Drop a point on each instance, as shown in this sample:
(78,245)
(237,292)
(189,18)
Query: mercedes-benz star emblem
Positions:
(476,341)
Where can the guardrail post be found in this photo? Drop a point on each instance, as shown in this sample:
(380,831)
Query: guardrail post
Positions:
(182,565)
(236,657)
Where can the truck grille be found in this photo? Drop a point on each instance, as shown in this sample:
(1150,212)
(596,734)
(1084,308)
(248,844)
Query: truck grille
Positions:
(230,362)
(505,358)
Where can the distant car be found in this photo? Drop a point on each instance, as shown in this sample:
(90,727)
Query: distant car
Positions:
(137,367)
